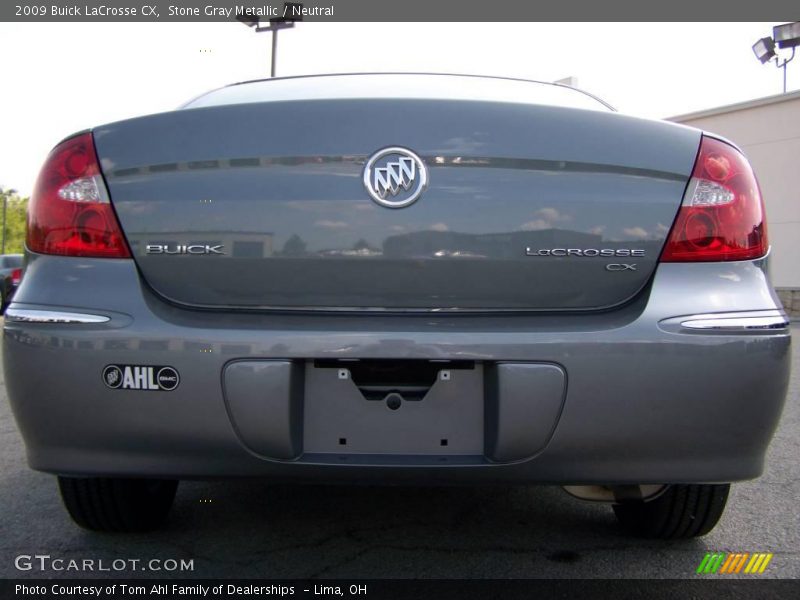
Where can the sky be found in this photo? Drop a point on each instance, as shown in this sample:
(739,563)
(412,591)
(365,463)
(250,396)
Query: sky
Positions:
(59,78)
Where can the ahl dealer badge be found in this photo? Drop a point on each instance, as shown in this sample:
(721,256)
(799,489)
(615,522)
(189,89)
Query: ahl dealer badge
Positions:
(141,377)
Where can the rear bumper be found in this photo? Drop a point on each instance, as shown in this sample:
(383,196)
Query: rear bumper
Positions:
(643,399)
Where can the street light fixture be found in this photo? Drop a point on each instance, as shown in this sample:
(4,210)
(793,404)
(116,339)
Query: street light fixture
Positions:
(294,10)
(764,49)
(247,20)
(786,36)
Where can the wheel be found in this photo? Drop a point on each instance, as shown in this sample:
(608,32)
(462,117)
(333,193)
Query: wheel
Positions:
(681,512)
(126,505)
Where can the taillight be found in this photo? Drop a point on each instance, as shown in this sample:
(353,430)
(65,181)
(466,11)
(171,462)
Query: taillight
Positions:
(70,213)
(722,214)
(16,276)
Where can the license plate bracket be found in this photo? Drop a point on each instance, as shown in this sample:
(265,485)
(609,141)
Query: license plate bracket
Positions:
(396,416)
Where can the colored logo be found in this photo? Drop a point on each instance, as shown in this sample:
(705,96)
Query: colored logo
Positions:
(727,563)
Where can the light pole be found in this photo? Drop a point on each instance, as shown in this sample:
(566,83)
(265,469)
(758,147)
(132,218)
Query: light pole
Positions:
(786,36)
(5,203)
(292,11)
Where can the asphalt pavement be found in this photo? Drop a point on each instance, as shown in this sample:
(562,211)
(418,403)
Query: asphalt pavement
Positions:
(253,529)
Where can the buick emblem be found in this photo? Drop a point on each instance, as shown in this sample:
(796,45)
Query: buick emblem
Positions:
(395,177)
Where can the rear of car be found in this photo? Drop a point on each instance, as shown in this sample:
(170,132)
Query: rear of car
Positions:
(398,278)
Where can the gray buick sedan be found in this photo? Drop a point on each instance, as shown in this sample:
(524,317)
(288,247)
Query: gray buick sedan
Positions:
(398,278)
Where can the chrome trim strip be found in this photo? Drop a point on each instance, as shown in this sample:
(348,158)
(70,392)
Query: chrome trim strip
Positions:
(26,315)
(738,322)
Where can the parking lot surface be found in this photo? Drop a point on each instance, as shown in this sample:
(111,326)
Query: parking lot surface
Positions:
(254,529)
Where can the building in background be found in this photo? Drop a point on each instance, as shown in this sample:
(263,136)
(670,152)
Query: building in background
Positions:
(768,130)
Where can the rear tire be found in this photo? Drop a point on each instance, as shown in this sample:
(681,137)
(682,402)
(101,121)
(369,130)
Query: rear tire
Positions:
(123,505)
(681,512)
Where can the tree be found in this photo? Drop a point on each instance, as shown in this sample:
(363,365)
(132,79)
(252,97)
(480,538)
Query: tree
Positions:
(16,213)
(294,246)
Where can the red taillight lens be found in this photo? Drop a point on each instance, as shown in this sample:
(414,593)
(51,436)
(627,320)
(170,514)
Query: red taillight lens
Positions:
(16,276)
(69,212)
(722,215)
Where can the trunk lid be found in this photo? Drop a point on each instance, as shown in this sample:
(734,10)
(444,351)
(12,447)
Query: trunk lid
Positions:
(516,195)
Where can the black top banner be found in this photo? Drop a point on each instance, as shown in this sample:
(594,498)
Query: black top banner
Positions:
(398,10)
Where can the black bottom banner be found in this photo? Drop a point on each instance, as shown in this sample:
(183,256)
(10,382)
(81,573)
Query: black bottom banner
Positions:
(439,589)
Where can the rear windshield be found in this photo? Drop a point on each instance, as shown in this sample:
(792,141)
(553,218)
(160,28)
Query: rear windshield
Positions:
(407,86)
